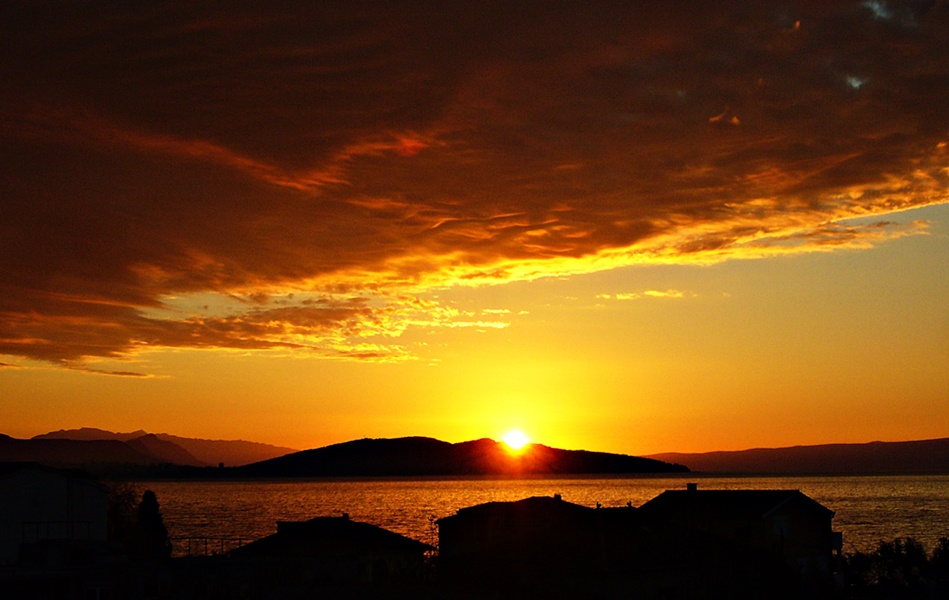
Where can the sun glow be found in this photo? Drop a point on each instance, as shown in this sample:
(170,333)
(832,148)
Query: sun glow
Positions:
(516,439)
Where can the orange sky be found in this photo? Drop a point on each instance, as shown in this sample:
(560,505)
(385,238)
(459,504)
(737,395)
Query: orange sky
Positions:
(648,228)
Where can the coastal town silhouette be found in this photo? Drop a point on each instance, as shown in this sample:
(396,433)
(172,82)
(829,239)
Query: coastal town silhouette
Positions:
(66,534)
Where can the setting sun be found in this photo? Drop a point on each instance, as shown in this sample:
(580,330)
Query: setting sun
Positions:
(463,242)
(516,439)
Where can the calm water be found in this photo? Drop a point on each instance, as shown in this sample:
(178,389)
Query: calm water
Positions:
(869,509)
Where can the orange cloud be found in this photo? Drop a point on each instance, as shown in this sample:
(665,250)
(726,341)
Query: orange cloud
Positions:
(172,154)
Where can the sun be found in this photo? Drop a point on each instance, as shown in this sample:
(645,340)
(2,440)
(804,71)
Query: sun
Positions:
(515,439)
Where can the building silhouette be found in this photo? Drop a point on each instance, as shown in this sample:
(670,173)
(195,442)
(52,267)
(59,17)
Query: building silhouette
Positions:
(40,504)
(785,523)
(741,543)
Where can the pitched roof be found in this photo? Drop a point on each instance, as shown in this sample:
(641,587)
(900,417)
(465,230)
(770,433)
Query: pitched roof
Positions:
(721,504)
(533,506)
(324,536)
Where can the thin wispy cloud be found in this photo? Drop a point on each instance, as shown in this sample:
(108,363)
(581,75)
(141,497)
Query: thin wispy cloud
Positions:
(169,151)
(664,294)
(673,294)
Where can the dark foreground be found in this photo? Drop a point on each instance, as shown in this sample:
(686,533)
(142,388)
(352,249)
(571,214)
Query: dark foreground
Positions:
(898,569)
(65,535)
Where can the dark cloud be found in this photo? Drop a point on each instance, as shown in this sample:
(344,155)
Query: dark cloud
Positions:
(152,151)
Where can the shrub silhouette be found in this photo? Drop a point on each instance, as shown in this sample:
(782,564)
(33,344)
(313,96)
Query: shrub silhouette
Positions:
(900,568)
(122,515)
(939,565)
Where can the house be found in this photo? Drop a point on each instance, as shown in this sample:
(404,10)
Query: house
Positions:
(542,544)
(43,504)
(520,528)
(784,523)
(337,550)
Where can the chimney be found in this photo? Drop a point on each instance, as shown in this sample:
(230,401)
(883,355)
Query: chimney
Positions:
(558,497)
(691,487)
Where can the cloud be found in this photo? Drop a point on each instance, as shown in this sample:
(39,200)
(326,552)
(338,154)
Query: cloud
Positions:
(664,294)
(645,294)
(93,371)
(324,325)
(361,154)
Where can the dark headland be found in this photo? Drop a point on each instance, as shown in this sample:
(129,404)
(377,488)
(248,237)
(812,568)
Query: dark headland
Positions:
(422,456)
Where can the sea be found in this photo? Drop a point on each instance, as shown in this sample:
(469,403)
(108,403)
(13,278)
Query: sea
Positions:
(207,517)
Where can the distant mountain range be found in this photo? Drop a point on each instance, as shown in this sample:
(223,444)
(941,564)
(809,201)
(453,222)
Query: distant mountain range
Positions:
(163,454)
(72,453)
(917,457)
(136,447)
(421,456)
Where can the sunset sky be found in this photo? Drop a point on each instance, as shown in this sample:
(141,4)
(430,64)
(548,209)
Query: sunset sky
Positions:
(629,227)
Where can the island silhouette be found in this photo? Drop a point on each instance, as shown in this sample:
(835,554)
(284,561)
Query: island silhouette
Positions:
(423,456)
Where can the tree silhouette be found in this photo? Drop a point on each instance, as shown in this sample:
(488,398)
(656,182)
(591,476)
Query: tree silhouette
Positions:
(151,538)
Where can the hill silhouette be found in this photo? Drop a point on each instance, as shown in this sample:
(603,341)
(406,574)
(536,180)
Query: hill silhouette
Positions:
(914,457)
(167,452)
(179,450)
(72,453)
(422,456)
